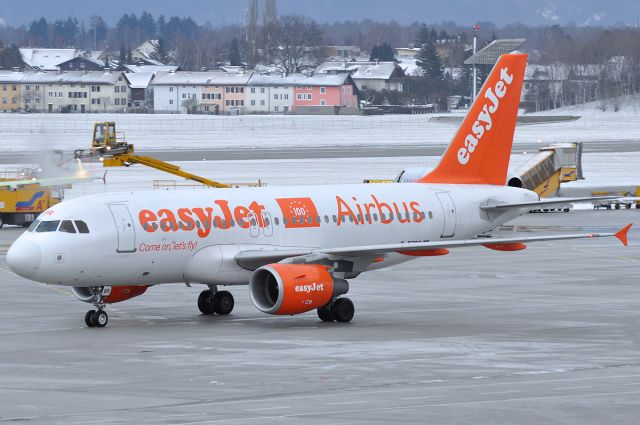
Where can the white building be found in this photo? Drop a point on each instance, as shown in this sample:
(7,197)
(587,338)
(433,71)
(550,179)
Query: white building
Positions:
(46,59)
(269,94)
(367,75)
(75,91)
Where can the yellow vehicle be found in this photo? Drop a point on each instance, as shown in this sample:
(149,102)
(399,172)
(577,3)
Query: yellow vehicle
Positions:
(22,198)
(114,152)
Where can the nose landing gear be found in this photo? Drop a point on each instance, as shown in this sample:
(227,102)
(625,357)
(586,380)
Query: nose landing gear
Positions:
(212,301)
(97,318)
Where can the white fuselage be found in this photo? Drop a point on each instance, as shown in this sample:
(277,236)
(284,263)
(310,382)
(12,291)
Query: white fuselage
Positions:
(148,238)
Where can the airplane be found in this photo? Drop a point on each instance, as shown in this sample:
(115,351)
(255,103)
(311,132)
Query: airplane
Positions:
(295,247)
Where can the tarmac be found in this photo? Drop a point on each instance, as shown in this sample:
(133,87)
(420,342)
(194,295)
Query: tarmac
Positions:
(546,335)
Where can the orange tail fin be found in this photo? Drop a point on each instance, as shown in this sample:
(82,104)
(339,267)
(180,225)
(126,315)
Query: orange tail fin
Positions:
(479,152)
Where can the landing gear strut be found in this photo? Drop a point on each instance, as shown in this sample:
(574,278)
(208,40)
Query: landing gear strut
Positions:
(212,301)
(339,310)
(97,318)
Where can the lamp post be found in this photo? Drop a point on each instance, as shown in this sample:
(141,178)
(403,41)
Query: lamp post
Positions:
(476,28)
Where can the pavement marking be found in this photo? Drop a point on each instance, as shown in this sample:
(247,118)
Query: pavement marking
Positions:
(258,409)
(346,402)
(500,392)
(422,397)
(573,388)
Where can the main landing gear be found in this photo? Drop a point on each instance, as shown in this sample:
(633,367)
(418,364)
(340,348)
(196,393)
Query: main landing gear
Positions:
(97,318)
(339,310)
(213,301)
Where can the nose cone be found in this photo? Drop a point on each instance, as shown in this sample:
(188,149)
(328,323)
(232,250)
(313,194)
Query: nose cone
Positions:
(24,257)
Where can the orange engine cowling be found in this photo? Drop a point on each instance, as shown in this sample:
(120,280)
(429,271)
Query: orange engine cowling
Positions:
(293,288)
(115,295)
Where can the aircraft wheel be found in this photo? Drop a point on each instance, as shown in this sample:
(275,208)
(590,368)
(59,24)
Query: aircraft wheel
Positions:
(343,310)
(205,304)
(100,318)
(223,302)
(88,319)
(325,314)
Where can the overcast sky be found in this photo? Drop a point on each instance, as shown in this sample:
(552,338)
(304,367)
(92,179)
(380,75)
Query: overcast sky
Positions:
(580,12)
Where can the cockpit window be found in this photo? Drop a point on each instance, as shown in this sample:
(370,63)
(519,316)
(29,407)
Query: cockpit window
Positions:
(82,226)
(33,226)
(47,226)
(67,227)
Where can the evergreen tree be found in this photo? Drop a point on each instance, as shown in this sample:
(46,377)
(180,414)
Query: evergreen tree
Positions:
(161,26)
(161,53)
(122,56)
(383,52)
(129,56)
(39,32)
(147,25)
(430,62)
(234,53)
(10,57)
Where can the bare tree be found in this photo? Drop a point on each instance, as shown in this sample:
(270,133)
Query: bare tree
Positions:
(299,43)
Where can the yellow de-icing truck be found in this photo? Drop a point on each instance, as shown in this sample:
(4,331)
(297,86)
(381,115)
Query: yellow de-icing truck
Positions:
(21,201)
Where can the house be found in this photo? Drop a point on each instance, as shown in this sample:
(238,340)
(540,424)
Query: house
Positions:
(205,92)
(269,94)
(407,52)
(324,94)
(10,91)
(81,63)
(75,91)
(367,75)
(46,59)
(342,52)
(140,91)
(144,51)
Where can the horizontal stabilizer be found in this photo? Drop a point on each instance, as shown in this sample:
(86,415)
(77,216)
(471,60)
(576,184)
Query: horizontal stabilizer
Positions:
(546,203)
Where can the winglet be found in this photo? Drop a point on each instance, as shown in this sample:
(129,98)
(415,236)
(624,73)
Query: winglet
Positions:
(622,234)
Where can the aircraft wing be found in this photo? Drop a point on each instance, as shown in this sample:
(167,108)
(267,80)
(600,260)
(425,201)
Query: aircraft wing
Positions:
(547,202)
(252,259)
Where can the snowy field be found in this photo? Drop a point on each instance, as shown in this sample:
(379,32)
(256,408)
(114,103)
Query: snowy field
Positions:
(50,131)
(25,132)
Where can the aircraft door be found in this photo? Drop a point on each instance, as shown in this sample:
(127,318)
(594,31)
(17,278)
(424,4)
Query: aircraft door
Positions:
(268,224)
(254,228)
(124,226)
(449,214)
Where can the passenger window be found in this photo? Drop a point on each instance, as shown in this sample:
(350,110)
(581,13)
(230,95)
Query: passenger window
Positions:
(318,220)
(67,227)
(33,226)
(335,219)
(284,221)
(326,218)
(375,217)
(275,219)
(47,226)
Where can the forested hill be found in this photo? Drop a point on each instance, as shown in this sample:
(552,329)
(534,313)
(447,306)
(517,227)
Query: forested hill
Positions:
(223,12)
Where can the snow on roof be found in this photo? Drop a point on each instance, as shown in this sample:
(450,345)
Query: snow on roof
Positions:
(298,80)
(88,59)
(46,59)
(151,68)
(139,80)
(410,66)
(360,70)
(200,78)
(72,77)
(11,76)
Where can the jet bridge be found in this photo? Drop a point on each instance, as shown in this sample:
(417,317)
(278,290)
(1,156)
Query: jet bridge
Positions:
(552,166)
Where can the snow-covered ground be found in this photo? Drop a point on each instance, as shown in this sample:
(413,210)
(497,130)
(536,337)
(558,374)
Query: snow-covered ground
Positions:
(44,131)
(69,132)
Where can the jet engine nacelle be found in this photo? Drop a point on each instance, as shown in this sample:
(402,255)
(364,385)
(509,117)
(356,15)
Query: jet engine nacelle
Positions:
(113,294)
(293,288)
